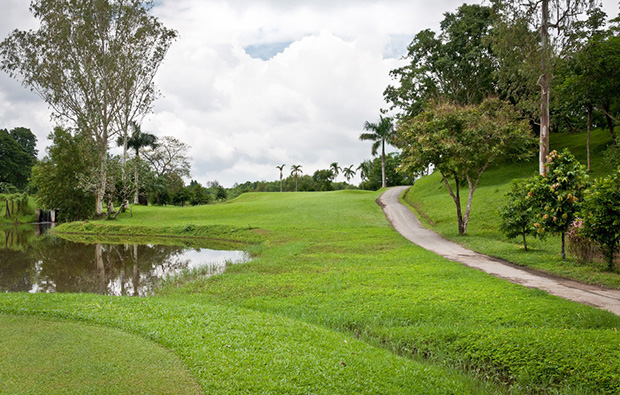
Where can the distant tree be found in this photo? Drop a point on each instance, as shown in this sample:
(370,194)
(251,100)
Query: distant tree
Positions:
(364,169)
(324,179)
(137,141)
(393,176)
(461,142)
(381,133)
(335,169)
(168,157)
(281,168)
(348,173)
(295,172)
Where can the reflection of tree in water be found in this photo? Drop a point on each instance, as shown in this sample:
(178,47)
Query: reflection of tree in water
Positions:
(104,268)
(50,264)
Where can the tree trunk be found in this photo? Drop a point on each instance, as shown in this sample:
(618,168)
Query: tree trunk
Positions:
(563,245)
(383,183)
(524,242)
(610,123)
(544,89)
(588,137)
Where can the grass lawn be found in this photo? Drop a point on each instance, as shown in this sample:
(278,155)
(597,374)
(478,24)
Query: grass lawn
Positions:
(437,211)
(336,301)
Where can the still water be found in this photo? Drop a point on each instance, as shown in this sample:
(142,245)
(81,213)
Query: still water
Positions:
(33,261)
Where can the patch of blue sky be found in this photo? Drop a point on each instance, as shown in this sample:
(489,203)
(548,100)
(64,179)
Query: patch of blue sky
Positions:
(397,47)
(266,51)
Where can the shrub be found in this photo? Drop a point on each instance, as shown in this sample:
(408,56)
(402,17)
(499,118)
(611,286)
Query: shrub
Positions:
(517,215)
(601,215)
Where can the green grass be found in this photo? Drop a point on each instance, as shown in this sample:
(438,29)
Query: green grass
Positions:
(49,356)
(437,211)
(337,302)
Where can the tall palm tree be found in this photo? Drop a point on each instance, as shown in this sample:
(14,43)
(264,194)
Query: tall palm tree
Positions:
(348,173)
(335,168)
(280,168)
(382,132)
(295,171)
(137,141)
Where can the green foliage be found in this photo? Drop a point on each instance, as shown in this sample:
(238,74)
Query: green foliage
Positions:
(556,195)
(457,64)
(58,177)
(393,177)
(17,156)
(324,179)
(517,214)
(601,215)
(461,142)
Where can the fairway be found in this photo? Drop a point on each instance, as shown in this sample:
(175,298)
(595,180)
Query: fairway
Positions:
(335,301)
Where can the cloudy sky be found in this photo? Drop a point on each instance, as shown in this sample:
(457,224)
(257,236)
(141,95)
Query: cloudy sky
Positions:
(251,84)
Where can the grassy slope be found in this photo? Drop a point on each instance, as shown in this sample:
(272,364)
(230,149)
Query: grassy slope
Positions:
(331,260)
(436,210)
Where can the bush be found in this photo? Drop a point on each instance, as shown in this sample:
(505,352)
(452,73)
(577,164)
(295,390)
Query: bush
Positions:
(518,214)
(601,215)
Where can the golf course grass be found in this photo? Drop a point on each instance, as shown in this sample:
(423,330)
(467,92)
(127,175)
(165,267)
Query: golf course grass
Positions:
(335,301)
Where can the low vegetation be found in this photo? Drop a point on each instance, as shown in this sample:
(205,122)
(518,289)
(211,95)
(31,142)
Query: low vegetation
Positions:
(332,285)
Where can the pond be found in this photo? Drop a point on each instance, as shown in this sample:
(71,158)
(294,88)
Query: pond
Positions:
(32,260)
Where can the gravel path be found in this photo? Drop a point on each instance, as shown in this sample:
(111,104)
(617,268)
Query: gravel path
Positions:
(405,222)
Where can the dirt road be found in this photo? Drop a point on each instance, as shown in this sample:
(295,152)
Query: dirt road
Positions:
(405,222)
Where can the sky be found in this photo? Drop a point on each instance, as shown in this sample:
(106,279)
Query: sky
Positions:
(252,84)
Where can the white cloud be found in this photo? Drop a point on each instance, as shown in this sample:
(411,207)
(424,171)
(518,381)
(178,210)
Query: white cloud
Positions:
(302,100)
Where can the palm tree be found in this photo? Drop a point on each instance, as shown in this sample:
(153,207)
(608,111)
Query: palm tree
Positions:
(335,169)
(381,133)
(295,170)
(280,168)
(348,173)
(137,141)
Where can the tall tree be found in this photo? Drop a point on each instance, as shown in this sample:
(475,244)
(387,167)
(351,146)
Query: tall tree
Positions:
(457,64)
(544,15)
(461,142)
(86,61)
(335,169)
(137,141)
(295,172)
(17,156)
(348,173)
(168,157)
(280,168)
(381,133)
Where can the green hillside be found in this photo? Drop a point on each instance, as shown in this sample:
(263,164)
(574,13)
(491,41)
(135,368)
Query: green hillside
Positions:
(436,210)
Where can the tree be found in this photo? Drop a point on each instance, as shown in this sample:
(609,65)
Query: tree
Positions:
(382,132)
(324,179)
(461,142)
(335,169)
(557,194)
(17,156)
(296,171)
(169,156)
(456,65)
(58,177)
(280,168)
(90,61)
(348,173)
(393,176)
(544,15)
(364,169)
(137,141)
(518,214)
(601,215)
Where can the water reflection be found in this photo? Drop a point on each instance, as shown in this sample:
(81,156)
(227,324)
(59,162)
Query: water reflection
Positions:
(29,263)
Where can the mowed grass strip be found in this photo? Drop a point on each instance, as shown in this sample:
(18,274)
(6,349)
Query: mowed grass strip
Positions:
(332,260)
(41,356)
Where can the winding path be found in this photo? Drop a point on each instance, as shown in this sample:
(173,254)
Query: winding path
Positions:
(406,223)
